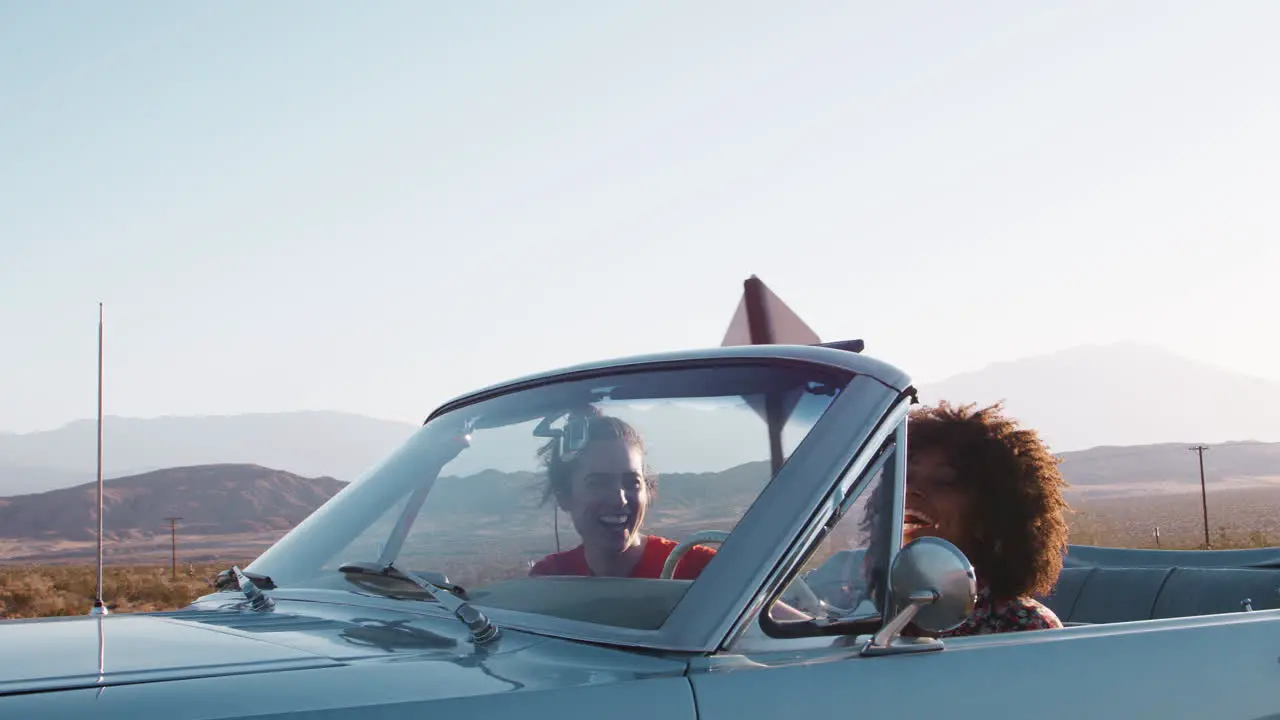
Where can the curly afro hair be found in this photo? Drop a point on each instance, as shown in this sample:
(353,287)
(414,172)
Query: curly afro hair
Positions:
(1015,491)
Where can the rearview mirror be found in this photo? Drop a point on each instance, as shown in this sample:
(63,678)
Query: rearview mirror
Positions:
(933,586)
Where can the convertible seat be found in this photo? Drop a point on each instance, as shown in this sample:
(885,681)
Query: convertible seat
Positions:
(1062,601)
(1210,591)
(1110,595)
(1094,556)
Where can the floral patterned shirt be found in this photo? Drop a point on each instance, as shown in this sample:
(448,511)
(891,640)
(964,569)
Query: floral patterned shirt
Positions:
(991,617)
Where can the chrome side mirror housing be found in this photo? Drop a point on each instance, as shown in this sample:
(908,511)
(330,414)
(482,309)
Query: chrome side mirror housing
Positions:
(934,587)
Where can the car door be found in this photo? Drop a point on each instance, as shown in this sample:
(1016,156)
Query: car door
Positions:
(1219,667)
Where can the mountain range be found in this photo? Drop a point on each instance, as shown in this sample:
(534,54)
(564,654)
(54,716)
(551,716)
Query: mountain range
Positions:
(1122,394)
(229,508)
(210,499)
(239,500)
(309,444)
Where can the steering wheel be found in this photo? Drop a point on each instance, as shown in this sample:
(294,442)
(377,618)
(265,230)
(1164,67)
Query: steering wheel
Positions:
(798,592)
(677,552)
(852,591)
(801,597)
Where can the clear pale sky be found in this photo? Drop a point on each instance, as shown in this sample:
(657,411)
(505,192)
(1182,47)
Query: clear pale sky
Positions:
(373,207)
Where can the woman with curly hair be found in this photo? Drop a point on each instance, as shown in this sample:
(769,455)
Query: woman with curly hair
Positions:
(992,488)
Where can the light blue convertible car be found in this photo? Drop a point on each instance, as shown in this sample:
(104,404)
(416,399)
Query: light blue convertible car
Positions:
(422,590)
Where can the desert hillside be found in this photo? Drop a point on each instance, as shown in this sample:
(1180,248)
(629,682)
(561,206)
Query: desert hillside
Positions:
(237,510)
(211,499)
(1170,467)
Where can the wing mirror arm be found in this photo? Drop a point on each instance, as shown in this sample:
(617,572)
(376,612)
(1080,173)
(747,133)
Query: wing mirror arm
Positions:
(883,639)
(938,588)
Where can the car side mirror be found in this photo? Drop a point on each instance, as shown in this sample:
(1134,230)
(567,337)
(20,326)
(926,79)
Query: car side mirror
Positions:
(934,587)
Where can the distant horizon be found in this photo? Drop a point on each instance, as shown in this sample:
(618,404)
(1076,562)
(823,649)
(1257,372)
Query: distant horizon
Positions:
(870,352)
(130,474)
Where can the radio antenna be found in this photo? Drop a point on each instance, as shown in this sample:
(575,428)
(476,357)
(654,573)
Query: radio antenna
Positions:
(99,607)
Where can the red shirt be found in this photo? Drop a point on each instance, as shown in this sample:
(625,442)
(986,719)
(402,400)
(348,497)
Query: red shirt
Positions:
(656,551)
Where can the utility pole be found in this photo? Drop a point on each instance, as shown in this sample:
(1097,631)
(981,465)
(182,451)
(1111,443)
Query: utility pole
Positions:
(173,545)
(1204,502)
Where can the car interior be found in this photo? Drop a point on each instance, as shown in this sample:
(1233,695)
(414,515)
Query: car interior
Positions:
(1096,595)
(1092,595)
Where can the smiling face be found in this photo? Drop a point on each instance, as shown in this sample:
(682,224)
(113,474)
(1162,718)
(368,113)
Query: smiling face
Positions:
(607,496)
(936,504)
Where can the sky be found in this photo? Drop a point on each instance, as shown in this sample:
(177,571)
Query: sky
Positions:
(374,207)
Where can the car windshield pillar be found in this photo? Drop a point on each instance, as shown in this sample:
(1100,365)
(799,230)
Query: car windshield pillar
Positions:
(405,477)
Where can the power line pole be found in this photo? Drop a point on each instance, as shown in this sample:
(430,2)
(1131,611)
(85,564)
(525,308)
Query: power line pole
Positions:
(173,545)
(1204,502)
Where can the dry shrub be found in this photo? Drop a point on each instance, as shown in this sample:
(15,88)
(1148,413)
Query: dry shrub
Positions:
(49,590)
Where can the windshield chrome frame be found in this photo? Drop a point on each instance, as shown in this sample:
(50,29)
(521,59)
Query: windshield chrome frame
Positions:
(768,532)
(763,539)
(857,363)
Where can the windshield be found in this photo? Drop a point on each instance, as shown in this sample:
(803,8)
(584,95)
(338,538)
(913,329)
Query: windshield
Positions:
(567,499)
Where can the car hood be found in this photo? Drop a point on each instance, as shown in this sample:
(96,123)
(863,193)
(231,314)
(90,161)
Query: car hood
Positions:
(65,653)
(434,654)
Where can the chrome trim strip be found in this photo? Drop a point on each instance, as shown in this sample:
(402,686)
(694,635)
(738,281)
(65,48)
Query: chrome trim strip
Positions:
(845,488)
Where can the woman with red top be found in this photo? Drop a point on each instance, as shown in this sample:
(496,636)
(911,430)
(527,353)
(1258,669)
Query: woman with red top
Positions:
(993,489)
(605,489)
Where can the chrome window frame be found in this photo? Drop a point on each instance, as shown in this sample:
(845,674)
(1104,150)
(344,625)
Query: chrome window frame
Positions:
(710,608)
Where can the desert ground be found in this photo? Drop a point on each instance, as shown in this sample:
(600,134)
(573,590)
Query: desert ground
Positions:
(1238,518)
(28,591)
(138,575)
